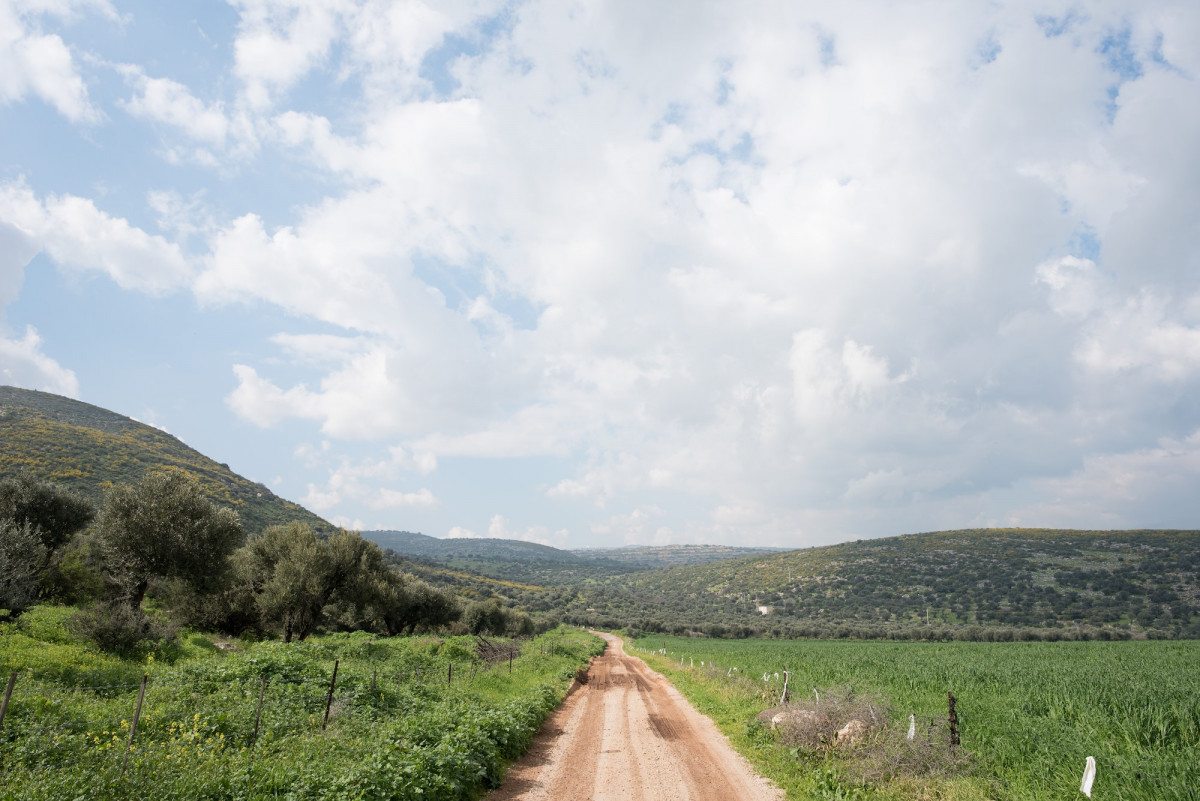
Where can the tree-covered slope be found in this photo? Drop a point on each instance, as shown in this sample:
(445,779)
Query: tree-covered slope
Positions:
(1035,578)
(87,449)
(534,563)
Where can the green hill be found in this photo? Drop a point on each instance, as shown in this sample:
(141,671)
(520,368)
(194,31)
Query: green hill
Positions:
(86,449)
(533,563)
(1119,582)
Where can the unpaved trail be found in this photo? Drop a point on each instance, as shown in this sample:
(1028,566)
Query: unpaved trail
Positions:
(629,735)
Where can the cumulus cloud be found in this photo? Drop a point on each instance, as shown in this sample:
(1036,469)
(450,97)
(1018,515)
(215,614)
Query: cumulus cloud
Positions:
(784,266)
(77,234)
(500,528)
(844,298)
(371,483)
(41,64)
(23,364)
(22,361)
(206,133)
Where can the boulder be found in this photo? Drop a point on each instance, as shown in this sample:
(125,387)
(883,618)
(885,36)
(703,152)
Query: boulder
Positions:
(853,733)
(798,718)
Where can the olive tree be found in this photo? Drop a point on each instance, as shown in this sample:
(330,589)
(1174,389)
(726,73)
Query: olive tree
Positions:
(54,513)
(287,571)
(21,557)
(164,527)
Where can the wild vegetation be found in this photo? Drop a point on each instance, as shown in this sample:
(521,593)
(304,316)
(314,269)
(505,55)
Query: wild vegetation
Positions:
(335,716)
(86,449)
(1029,714)
(990,584)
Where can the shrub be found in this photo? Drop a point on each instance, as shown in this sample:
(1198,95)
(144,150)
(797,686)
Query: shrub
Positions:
(117,627)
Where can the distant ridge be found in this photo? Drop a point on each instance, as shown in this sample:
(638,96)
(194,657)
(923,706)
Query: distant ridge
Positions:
(1141,581)
(543,564)
(86,449)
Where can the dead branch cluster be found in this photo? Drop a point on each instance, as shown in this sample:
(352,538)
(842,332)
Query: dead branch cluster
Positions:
(869,743)
(494,652)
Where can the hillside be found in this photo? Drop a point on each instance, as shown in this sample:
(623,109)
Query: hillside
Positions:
(1123,581)
(533,563)
(86,448)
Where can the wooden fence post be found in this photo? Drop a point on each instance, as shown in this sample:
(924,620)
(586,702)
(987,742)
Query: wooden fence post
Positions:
(953,722)
(137,713)
(329,698)
(449,675)
(12,680)
(262,689)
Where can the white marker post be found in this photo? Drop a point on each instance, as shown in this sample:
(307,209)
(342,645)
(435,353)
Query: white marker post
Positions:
(1089,776)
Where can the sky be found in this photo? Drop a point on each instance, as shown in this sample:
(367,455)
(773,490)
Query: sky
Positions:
(611,273)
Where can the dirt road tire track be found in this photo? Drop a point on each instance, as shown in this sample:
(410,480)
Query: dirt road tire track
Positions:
(626,735)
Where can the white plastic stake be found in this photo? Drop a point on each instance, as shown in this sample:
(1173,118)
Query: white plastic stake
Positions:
(1089,776)
(912,727)
(817,694)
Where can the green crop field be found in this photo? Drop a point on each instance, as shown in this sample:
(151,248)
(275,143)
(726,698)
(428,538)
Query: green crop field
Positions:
(1029,714)
(409,717)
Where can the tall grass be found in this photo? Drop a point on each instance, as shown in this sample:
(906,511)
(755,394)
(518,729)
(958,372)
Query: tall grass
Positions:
(1030,713)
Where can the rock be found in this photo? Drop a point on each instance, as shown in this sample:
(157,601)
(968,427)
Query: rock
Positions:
(853,733)
(798,718)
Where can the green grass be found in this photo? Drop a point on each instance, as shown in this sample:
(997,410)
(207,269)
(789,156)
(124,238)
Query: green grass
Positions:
(397,729)
(1030,713)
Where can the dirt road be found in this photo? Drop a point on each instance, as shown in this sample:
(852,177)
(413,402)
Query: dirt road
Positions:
(629,735)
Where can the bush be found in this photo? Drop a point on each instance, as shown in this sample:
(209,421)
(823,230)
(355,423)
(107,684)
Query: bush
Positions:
(116,627)
(21,557)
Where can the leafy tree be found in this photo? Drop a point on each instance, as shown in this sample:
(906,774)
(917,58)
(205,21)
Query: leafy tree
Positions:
(486,617)
(299,581)
(51,511)
(288,572)
(22,555)
(165,528)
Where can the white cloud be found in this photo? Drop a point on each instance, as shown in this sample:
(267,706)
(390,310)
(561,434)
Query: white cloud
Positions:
(32,62)
(391,499)
(500,528)
(798,269)
(172,103)
(22,364)
(367,482)
(1141,488)
(73,232)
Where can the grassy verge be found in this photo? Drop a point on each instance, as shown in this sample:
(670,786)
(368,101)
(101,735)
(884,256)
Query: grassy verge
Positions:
(1029,713)
(416,717)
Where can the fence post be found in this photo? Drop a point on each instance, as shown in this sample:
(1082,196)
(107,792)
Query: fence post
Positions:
(262,689)
(449,675)
(510,656)
(12,680)
(329,698)
(953,721)
(137,713)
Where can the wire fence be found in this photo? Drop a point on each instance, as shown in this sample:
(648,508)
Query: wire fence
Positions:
(46,726)
(1165,775)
